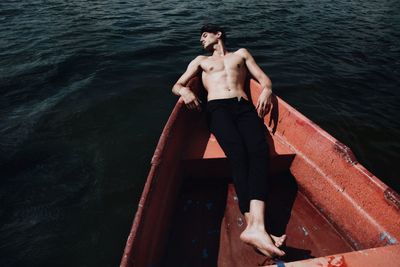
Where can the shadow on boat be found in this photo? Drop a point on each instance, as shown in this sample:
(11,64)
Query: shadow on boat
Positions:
(207,222)
(195,237)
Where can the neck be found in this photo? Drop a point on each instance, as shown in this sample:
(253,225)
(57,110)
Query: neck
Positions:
(220,49)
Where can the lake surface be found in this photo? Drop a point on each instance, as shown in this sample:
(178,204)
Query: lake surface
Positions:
(86,90)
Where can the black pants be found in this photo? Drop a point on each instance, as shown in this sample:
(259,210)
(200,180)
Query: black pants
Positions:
(241,134)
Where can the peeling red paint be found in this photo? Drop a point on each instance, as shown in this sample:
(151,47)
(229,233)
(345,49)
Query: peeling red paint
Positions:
(301,122)
(392,197)
(345,152)
(336,261)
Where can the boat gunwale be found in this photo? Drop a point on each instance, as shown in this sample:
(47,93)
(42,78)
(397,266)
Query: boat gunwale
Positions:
(144,199)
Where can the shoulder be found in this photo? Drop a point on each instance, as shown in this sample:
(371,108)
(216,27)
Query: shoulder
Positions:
(243,52)
(196,62)
(199,59)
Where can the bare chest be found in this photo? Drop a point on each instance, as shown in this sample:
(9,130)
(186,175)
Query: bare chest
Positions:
(227,63)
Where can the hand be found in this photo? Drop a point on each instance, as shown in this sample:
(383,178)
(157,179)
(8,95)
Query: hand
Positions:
(191,100)
(264,103)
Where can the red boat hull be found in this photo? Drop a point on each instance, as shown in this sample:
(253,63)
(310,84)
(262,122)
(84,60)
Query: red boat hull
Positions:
(331,208)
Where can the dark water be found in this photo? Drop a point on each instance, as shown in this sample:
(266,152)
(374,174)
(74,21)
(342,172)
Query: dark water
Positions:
(85,92)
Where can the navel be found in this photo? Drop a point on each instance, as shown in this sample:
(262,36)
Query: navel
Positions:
(211,68)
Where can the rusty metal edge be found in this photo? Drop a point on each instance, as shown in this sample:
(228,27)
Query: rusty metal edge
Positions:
(344,259)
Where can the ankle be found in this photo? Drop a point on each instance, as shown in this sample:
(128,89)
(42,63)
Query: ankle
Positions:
(253,222)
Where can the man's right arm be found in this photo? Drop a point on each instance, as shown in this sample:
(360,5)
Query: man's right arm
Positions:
(180,89)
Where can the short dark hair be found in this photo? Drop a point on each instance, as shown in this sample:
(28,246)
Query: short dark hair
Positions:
(209,27)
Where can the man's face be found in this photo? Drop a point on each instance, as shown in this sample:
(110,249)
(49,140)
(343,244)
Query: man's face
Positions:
(208,39)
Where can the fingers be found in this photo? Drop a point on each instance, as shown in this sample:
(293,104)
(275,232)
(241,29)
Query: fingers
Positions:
(269,105)
(260,112)
(194,104)
(268,108)
(264,109)
(197,104)
(191,106)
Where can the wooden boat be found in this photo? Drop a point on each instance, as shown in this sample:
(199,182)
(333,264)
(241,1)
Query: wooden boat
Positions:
(333,210)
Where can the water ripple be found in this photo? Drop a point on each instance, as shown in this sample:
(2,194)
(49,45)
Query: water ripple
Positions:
(82,83)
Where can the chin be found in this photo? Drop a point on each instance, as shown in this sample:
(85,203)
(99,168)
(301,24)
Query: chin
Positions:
(209,48)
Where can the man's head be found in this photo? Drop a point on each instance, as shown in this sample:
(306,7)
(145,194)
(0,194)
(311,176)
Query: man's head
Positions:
(210,34)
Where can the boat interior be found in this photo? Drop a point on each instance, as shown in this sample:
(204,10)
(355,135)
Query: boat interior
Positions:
(188,214)
(207,222)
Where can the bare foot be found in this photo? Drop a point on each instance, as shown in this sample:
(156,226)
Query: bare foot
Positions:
(279,240)
(261,240)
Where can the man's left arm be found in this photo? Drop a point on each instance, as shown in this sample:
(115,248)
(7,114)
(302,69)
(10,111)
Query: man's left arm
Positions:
(264,101)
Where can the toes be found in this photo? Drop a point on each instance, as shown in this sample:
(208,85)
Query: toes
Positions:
(270,252)
(280,241)
(277,252)
(262,252)
(280,252)
(283,239)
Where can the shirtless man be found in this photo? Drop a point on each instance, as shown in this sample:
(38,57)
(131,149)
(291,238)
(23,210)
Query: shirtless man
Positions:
(237,126)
